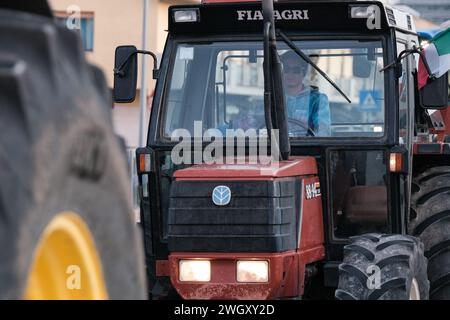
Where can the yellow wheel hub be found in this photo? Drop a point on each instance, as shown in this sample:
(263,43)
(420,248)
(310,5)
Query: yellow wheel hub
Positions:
(66,264)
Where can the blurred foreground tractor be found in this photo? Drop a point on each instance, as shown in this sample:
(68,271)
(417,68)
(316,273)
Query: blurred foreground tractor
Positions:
(356,204)
(66,224)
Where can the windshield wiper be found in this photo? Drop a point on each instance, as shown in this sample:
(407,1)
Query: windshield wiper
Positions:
(302,55)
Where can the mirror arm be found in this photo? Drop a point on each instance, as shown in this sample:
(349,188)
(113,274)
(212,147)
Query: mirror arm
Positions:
(400,57)
(406,53)
(155,62)
(431,75)
(119,71)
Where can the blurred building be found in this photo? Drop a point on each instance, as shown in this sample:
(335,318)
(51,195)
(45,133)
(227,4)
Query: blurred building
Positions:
(436,11)
(106,24)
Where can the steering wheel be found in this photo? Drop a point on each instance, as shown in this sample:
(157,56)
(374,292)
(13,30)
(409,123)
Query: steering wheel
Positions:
(294,122)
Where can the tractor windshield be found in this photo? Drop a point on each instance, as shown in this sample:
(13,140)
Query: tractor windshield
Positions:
(220,84)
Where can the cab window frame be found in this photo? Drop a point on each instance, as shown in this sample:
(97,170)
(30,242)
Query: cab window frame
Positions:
(389,114)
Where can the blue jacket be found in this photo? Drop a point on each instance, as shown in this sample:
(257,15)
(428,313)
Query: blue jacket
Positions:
(311,107)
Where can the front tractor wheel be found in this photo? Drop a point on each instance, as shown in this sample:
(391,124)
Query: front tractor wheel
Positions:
(66,263)
(383,267)
(66,225)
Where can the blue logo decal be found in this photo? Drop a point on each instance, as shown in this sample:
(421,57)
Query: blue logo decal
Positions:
(221,195)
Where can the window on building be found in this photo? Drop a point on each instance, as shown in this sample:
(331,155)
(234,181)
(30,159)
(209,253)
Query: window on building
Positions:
(85,27)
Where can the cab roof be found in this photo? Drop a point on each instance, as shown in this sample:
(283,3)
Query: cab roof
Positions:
(233,16)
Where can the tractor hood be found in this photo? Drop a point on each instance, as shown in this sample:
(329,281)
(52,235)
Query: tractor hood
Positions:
(294,167)
(240,208)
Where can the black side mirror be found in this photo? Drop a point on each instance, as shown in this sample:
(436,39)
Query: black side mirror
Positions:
(434,95)
(362,67)
(125,74)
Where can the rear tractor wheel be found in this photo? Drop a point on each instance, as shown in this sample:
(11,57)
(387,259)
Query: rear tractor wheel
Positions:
(430,221)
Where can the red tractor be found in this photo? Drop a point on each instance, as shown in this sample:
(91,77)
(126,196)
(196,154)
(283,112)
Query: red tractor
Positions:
(356,204)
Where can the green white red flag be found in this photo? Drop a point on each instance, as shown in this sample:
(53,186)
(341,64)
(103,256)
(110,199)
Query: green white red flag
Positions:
(437,54)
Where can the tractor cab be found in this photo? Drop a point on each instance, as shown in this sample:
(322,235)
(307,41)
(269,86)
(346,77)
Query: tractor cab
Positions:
(278,131)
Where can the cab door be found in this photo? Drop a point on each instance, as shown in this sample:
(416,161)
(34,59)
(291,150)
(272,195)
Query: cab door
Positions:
(406,106)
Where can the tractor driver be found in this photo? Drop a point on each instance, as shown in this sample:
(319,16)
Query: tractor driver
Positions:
(307,109)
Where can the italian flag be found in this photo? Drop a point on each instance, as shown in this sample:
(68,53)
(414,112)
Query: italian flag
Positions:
(437,54)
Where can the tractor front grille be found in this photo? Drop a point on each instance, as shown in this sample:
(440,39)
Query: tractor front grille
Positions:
(262,216)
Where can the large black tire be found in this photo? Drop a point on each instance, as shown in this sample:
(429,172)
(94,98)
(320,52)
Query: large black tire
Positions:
(58,153)
(430,221)
(400,259)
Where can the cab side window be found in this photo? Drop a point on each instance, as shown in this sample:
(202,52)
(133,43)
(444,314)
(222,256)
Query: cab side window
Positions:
(403,99)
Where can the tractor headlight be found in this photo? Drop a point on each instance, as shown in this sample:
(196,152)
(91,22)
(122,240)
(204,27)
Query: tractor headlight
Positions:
(195,270)
(252,271)
(186,15)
